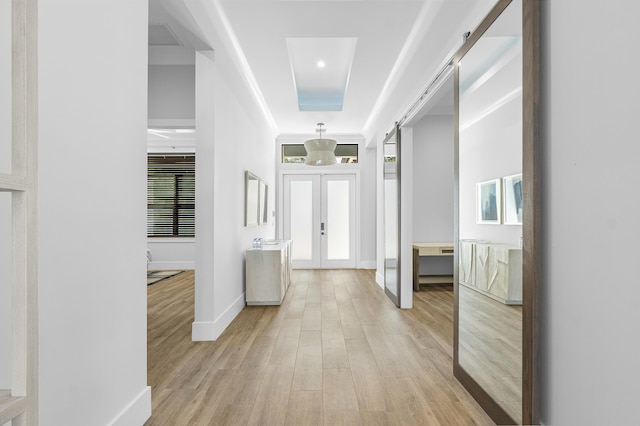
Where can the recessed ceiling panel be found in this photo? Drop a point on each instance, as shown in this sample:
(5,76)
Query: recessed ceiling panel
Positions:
(321,69)
(400,45)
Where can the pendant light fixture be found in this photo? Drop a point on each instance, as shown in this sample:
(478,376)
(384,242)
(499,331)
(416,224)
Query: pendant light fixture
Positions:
(320,151)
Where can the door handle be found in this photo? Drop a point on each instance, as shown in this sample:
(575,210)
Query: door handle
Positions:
(321,228)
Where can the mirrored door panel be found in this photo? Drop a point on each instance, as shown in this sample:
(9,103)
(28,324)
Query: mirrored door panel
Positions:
(494,184)
(490,148)
(392,215)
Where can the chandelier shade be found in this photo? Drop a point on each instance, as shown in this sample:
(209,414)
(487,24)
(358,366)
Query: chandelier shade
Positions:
(320,152)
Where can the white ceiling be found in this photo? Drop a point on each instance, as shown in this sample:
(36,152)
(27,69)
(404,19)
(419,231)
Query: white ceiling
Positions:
(381,29)
(321,67)
(385,34)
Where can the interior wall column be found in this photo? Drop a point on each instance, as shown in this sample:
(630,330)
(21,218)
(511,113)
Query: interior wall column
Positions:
(379,211)
(406,218)
(202,328)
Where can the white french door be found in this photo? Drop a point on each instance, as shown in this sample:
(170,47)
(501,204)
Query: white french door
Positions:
(319,216)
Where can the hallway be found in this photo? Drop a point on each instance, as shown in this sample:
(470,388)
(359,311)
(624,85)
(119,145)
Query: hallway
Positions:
(336,352)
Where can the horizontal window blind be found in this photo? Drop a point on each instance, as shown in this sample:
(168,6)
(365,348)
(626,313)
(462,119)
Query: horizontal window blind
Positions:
(171,194)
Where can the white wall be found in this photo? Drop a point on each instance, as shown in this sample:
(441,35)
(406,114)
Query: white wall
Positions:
(405,249)
(245,139)
(590,293)
(233,136)
(433,182)
(205,326)
(490,138)
(172,92)
(487,154)
(172,253)
(433,178)
(368,210)
(92,168)
(380,208)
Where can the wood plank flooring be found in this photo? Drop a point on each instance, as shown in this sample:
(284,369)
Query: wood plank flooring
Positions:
(491,347)
(336,352)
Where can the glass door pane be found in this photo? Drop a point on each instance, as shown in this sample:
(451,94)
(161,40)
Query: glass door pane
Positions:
(338,217)
(302,219)
(338,236)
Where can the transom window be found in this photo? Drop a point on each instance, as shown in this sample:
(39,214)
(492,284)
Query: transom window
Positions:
(296,153)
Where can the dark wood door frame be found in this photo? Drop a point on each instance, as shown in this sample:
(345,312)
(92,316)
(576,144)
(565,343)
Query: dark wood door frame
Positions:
(531,222)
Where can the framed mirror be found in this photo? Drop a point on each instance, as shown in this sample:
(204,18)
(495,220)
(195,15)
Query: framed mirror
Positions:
(256,193)
(251,199)
(497,219)
(262,208)
(391,151)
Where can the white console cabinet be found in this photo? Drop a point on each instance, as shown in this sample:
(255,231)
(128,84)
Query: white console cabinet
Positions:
(492,269)
(268,273)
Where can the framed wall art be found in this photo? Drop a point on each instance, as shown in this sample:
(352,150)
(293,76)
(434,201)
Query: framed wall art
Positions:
(488,202)
(512,190)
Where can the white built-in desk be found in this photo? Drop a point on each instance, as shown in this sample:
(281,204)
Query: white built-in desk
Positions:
(430,249)
(268,273)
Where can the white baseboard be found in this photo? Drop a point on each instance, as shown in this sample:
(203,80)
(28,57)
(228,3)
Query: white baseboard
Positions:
(380,279)
(209,331)
(137,412)
(367,264)
(171,266)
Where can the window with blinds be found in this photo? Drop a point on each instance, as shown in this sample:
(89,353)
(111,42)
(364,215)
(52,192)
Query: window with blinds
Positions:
(171,194)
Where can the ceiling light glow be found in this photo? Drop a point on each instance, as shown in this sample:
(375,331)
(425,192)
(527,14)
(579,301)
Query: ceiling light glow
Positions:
(321,64)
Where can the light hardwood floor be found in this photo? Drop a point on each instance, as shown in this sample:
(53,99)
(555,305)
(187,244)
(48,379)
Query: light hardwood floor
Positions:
(491,347)
(336,352)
